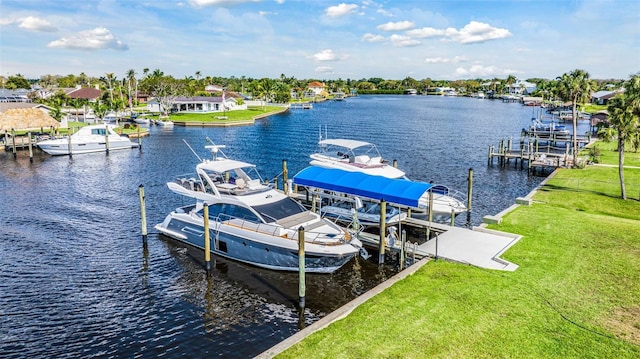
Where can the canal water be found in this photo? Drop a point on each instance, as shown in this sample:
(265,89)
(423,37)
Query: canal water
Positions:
(76,280)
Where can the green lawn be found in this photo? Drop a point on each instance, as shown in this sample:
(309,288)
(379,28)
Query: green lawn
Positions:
(610,154)
(575,295)
(231,116)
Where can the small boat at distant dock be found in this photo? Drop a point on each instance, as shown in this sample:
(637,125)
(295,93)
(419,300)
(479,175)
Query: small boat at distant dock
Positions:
(95,138)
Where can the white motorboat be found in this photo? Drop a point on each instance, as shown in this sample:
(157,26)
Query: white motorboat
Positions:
(95,138)
(354,156)
(364,157)
(251,222)
(164,121)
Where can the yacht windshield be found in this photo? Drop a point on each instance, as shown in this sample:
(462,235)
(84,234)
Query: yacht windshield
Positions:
(286,207)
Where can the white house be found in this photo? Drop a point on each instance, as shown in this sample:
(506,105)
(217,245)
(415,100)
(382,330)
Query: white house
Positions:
(197,104)
(521,87)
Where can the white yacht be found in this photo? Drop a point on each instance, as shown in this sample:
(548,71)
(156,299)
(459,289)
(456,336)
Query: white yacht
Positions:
(251,222)
(95,138)
(354,156)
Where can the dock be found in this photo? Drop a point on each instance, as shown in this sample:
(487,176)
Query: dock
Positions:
(537,152)
(301,105)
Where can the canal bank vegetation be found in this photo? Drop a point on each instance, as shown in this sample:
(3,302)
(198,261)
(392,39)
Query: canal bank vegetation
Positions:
(575,294)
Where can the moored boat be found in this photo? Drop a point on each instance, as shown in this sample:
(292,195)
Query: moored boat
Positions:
(95,138)
(253,223)
(354,156)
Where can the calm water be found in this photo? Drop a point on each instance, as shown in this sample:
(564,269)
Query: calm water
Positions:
(76,281)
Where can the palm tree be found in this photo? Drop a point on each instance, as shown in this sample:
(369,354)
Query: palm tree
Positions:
(131,82)
(625,124)
(575,87)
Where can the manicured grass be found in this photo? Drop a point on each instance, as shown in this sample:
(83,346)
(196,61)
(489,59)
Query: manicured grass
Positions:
(575,295)
(231,116)
(610,154)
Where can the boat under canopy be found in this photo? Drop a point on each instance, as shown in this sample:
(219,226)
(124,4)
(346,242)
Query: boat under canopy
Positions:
(398,191)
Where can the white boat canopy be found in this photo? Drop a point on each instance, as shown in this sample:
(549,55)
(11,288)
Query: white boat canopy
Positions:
(223,165)
(350,144)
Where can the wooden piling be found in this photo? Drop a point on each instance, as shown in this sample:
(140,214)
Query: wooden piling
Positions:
(430,213)
(69,147)
(403,240)
(469,189)
(13,141)
(395,163)
(30,147)
(106,138)
(139,139)
(453,217)
(285,175)
(301,268)
(207,238)
(143,213)
(383,230)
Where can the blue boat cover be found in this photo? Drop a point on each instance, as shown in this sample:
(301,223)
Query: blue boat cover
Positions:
(398,191)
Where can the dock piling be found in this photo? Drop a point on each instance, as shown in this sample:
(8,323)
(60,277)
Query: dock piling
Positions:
(383,230)
(143,213)
(285,174)
(207,238)
(301,268)
(13,141)
(402,244)
(469,189)
(30,147)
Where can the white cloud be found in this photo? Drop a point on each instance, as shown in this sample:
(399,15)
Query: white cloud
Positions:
(445,60)
(384,12)
(202,3)
(471,33)
(30,23)
(396,26)
(484,71)
(324,69)
(341,10)
(36,24)
(425,32)
(478,32)
(95,39)
(403,41)
(325,55)
(373,38)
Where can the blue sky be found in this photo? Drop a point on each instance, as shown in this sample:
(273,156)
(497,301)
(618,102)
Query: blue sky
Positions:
(318,39)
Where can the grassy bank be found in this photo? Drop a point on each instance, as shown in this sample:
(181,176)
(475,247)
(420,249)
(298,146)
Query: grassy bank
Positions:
(226,117)
(575,295)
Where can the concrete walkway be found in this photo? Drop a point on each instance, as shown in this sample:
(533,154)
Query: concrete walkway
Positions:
(480,247)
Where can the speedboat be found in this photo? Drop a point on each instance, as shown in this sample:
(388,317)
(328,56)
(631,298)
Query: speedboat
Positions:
(545,129)
(164,121)
(354,156)
(347,209)
(95,138)
(360,156)
(253,223)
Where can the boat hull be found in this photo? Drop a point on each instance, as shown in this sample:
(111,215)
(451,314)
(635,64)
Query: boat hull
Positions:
(271,252)
(61,146)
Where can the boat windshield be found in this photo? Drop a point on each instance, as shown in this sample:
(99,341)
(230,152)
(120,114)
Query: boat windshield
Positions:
(274,211)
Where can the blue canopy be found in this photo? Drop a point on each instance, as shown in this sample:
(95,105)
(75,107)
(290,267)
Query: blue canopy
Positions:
(398,191)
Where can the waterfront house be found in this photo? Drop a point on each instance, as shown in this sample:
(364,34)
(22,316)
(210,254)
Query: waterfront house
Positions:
(18,95)
(316,88)
(603,97)
(198,104)
(521,87)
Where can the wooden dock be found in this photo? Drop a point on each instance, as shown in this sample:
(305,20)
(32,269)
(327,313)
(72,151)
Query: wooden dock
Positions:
(537,152)
(301,105)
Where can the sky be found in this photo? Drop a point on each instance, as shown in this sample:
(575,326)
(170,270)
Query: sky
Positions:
(324,40)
